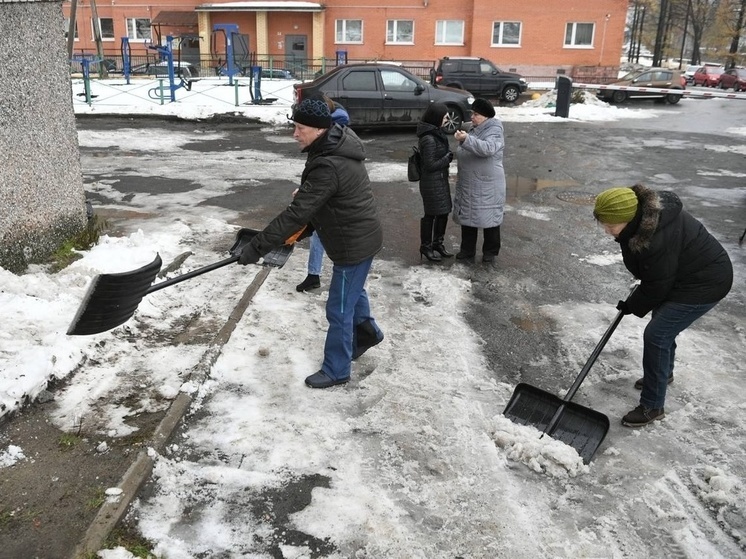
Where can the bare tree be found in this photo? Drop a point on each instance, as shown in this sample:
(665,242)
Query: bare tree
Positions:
(731,20)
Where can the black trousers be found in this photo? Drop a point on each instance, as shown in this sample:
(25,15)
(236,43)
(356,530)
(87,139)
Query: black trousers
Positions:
(490,246)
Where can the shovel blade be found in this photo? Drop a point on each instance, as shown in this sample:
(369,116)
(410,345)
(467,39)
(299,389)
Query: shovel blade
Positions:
(582,428)
(112,299)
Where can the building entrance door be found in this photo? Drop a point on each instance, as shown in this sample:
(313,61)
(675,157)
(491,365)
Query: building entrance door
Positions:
(295,54)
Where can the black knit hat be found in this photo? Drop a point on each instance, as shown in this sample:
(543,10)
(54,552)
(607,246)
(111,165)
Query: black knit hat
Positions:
(313,112)
(434,114)
(483,107)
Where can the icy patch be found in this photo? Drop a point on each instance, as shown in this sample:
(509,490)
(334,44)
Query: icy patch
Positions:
(544,455)
(10,456)
(533,215)
(604,259)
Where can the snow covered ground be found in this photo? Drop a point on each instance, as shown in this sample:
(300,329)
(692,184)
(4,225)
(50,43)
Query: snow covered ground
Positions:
(406,463)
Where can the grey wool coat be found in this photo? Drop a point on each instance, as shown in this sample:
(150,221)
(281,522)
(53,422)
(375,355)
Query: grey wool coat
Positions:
(480,187)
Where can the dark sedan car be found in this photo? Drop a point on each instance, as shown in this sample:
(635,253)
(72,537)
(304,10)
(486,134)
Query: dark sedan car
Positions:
(386,95)
(735,78)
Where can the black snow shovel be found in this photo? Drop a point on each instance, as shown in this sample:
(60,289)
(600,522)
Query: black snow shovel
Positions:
(112,299)
(582,428)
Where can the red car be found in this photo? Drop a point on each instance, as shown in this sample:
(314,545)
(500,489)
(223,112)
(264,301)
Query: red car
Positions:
(735,78)
(708,76)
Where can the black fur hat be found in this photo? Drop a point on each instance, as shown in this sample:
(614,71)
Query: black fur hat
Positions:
(483,107)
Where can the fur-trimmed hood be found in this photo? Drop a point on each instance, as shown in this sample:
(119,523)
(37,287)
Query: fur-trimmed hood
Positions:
(654,210)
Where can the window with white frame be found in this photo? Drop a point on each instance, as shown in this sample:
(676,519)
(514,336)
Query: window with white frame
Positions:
(138,29)
(400,31)
(579,35)
(349,31)
(449,32)
(506,33)
(106,28)
(67,28)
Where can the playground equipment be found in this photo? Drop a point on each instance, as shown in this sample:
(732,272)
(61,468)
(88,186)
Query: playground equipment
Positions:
(239,61)
(126,51)
(235,47)
(166,54)
(85,64)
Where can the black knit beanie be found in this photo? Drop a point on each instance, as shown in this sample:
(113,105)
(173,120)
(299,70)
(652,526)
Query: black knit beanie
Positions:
(434,114)
(483,107)
(313,112)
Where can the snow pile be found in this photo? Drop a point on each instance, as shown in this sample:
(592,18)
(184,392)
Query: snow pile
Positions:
(11,455)
(523,443)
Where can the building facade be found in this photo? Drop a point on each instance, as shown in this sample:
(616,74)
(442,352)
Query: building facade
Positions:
(533,37)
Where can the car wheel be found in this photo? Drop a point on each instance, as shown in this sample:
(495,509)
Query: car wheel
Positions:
(454,120)
(619,96)
(511,93)
(722,85)
(672,98)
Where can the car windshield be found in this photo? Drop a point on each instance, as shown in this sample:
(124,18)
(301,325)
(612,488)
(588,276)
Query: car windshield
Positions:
(630,76)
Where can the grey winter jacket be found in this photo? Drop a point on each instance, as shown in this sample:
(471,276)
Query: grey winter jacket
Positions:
(436,158)
(335,198)
(672,254)
(480,187)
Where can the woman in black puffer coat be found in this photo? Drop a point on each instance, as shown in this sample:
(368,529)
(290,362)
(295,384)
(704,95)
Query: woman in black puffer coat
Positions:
(434,187)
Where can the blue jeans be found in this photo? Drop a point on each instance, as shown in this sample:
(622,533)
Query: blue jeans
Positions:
(659,350)
(315,256)
(346,307)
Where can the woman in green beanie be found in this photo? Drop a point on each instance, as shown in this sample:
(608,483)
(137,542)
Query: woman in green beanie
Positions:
(683,271)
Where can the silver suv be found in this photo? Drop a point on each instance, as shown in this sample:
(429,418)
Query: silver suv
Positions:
(480,77)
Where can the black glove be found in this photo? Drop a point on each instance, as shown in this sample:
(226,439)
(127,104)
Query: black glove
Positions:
(249,255)
(450,156)
(623,307)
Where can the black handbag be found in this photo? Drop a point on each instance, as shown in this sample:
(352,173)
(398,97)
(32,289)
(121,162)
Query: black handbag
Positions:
(414,164)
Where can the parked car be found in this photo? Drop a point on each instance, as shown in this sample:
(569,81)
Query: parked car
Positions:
(110,65)
(735,78)
(708,76)
(184,70)
(386,95)
(653,78)
(480,77)
(277,73)
(689,72)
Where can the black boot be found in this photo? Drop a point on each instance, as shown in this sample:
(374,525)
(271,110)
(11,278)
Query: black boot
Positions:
(441,221)
(426,239)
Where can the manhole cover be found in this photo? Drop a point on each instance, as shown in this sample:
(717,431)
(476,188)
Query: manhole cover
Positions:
(577,197)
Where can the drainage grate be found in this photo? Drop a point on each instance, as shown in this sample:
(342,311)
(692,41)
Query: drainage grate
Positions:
(577,197)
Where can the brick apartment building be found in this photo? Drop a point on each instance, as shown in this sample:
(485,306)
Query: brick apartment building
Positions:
(533,37)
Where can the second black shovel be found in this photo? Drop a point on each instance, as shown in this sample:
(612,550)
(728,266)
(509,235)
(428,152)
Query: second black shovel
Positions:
(112,299)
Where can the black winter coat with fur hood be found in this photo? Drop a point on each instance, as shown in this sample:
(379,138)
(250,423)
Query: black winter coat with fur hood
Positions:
(672,254)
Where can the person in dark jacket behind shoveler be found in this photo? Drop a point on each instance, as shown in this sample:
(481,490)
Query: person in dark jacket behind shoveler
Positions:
(683,271)
(436,156)
(336,200)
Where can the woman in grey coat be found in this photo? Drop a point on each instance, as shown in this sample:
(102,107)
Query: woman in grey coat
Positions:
(480,186)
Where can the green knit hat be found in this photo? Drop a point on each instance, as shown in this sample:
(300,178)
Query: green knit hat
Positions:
(616,205)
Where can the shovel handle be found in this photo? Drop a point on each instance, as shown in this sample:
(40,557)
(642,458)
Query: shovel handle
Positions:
(193,273)
(587,367)
(592,359)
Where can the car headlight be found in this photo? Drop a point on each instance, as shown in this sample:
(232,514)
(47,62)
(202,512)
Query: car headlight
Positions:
(522,80)
(470,99)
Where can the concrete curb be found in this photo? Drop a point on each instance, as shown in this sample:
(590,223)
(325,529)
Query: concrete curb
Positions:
(112,512)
